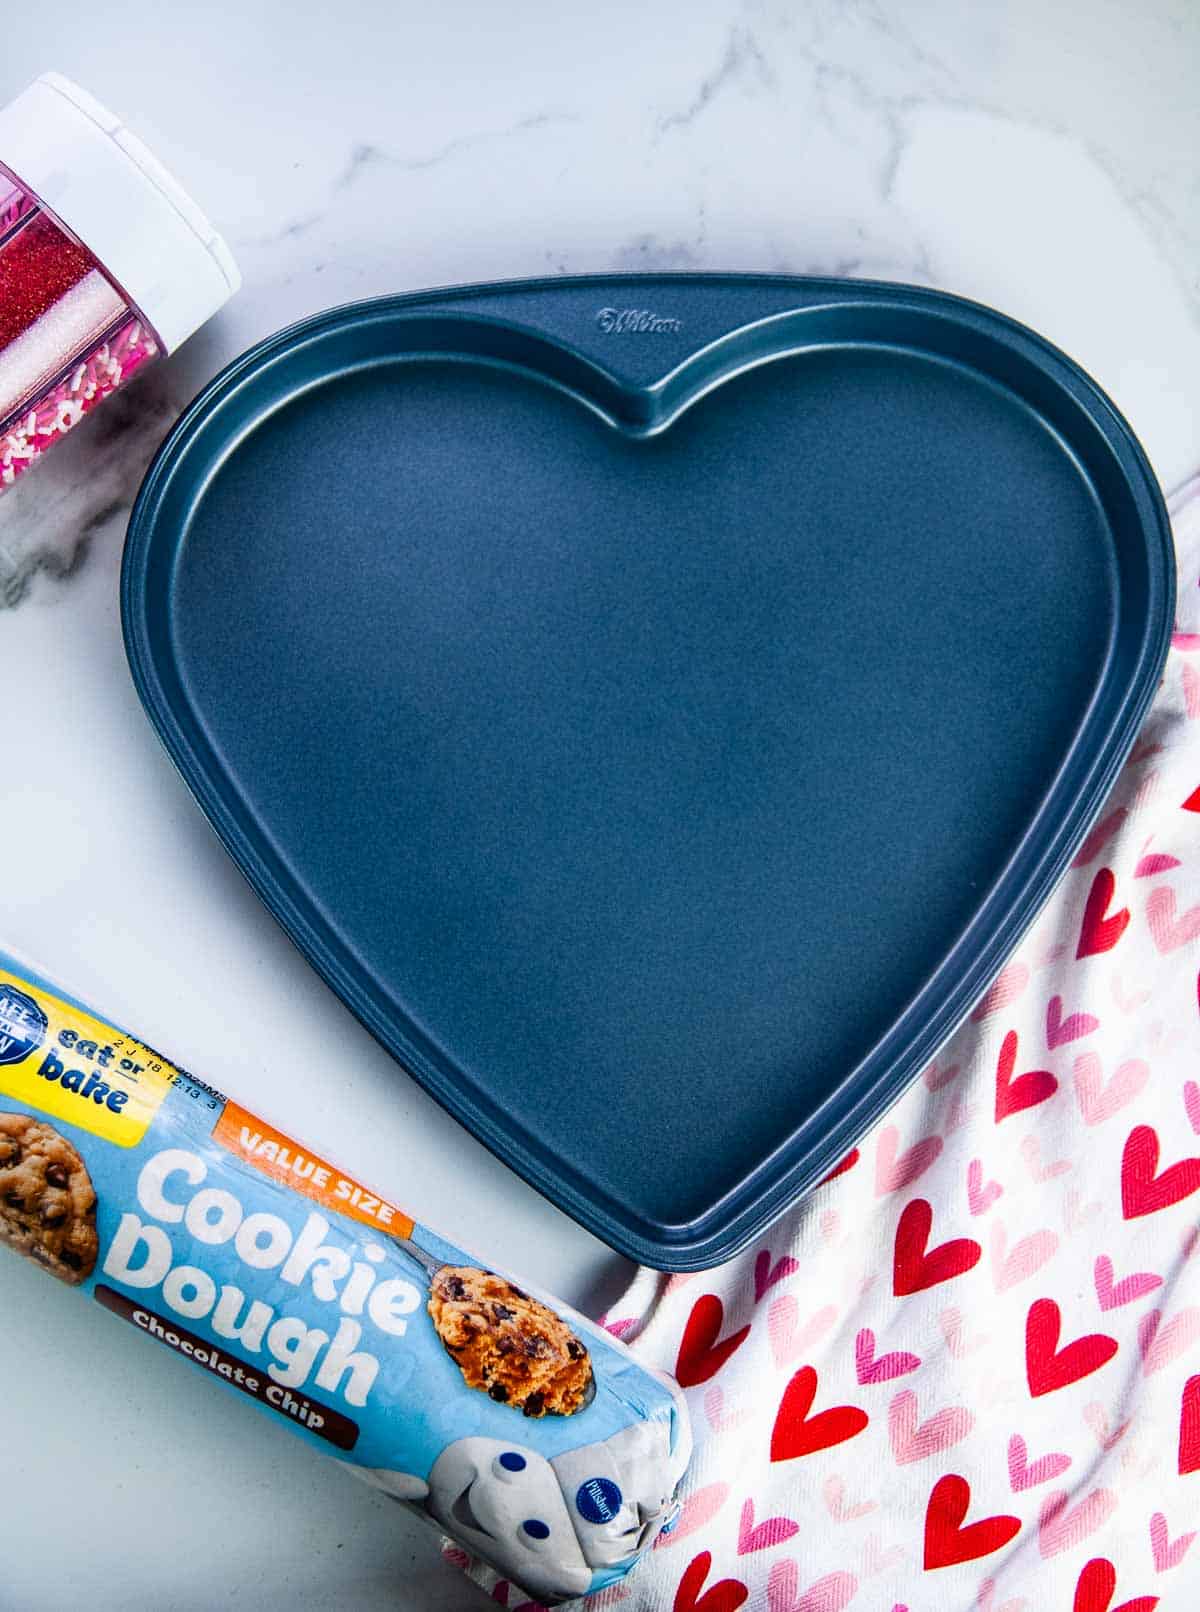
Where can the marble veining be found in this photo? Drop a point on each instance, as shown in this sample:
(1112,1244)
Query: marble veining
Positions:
(743,64)
(366,157)
(88,489)
(1041,158)
(833,139)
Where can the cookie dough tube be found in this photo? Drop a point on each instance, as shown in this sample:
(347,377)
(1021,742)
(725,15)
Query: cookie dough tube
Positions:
(510,1421)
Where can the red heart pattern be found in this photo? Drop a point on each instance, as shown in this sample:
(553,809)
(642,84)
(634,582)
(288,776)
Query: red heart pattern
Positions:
(949,1538)
(691,1596)
(1015,1094)
(1050,1366)
(840,1168)
(701,1355)
(1101,930)
(914,1265)
(1011,1414)
(796,1433)
(1189,1427)
(1144,1188)
(1096,1586)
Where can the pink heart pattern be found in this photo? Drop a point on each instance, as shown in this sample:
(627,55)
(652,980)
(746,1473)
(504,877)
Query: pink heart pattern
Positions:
(881,1369)
(876,1558)
(1099,837)
(764,1535)
(839,1507)
(987,1601)
(981,1194)
(1026,1474)
(1170,931)
(1007,987)
(1191,1103)
(1190,680)
(1060,1031)
(1150,865)
(1167,1552)
(719,1419)
(1025,1259)
(913,1440)
(1111,1293)
(767,1275)
(1098,1101)
(894,1170)
(789,1339)
(1062,1526)
(833,1593)
(935,1077)
(958,1343)
(1031,1153)
(1106,1437)
(1160,1342)
(699,1509)
(917,1468)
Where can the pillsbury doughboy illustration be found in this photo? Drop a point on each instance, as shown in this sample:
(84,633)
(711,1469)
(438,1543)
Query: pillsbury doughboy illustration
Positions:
(503,1500)
(557,1527)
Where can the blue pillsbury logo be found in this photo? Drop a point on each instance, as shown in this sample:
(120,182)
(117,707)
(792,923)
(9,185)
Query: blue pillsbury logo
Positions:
(22,1024)
(598,1500)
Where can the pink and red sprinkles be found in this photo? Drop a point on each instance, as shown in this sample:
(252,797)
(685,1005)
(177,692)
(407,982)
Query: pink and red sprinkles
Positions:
(40,264)
(95,377)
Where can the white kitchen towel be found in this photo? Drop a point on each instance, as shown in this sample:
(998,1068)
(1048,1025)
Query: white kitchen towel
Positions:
(964,1373)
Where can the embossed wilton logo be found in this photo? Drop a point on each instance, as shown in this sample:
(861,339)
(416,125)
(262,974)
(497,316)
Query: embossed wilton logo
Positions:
(624,321)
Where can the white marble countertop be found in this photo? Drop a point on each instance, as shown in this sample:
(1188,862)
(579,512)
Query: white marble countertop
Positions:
(1042,158)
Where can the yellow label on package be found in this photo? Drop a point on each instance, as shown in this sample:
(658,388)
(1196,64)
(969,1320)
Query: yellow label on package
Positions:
(85,1072)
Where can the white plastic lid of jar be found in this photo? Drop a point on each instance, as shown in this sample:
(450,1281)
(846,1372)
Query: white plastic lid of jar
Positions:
(102,183)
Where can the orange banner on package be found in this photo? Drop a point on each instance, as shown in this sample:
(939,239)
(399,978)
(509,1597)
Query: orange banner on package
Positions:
(279,1157)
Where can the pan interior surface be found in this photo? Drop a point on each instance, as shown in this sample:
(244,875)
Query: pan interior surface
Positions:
(654,788)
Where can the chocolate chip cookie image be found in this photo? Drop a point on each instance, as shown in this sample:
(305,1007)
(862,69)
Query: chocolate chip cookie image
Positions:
(47,1201)
(508,1345)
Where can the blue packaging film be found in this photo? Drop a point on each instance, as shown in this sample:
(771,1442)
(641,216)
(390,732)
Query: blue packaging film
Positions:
(508,1420)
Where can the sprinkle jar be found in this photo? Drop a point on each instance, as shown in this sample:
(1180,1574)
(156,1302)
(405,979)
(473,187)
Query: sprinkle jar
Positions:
(105,264)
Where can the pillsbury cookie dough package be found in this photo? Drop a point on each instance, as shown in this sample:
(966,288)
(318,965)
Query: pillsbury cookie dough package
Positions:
(514,1424)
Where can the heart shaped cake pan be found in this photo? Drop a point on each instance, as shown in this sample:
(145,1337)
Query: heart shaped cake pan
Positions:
(656,705)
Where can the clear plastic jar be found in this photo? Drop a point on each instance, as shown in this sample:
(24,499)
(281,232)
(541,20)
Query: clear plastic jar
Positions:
(105,263)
